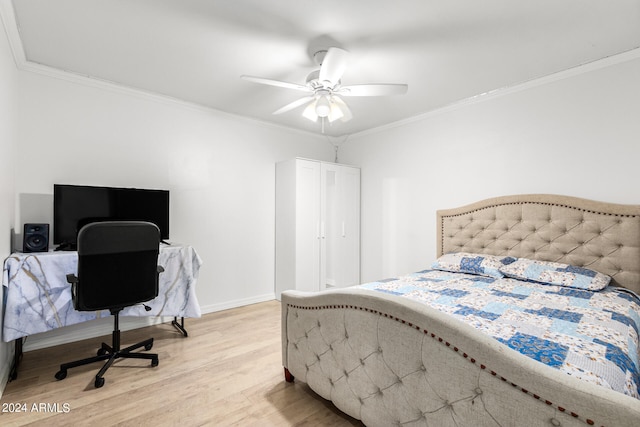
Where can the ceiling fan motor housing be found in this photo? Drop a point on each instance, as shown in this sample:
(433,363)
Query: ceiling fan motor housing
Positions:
(313,77)
(318,57)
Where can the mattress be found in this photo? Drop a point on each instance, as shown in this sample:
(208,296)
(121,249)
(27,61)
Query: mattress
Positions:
(592,335)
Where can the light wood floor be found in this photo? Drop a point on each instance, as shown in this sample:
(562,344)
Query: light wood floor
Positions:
(227,372)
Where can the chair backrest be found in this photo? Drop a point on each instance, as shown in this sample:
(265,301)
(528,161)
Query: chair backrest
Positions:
(117,265)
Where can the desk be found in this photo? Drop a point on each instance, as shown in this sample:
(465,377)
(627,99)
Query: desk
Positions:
(37,297)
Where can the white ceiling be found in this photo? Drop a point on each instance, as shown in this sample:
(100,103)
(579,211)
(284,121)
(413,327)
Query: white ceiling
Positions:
(445,50)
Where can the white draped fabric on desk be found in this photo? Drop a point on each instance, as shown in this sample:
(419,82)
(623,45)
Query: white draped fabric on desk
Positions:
(38,298)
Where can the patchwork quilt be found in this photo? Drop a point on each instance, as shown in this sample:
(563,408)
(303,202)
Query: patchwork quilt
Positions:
(592,335)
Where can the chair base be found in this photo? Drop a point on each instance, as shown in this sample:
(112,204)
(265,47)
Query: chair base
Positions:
(110,353)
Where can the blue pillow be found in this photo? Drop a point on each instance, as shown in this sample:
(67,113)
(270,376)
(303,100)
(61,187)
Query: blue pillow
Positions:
(479,264)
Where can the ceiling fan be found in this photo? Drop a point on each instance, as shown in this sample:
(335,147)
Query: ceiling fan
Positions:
(325,91)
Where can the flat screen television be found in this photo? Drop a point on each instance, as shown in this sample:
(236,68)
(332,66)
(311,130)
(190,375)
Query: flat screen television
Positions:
(77,205)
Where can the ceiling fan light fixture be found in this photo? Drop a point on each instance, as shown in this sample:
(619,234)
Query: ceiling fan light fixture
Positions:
(338,103)
(323,106)
(310,112)
(336,112)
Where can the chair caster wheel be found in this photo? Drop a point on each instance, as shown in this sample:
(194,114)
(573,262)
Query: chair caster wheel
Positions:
(101,351)
(154,362)
(148,346)
(60,375)
(99,382)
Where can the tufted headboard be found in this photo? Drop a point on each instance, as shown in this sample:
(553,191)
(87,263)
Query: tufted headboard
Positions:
(601,236)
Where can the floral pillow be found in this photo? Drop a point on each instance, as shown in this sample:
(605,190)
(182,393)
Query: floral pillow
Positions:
(555,273)
(480,264)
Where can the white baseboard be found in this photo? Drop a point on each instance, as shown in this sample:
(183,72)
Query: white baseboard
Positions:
(237,303)
(104,326)
(85,330)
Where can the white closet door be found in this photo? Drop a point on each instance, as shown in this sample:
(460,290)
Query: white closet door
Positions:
(340,219)
(307,226)
(330,220)
(349,248)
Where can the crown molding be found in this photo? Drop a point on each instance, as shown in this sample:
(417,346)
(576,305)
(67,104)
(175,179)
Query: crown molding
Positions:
(12,29)
(8,17)
(597,64)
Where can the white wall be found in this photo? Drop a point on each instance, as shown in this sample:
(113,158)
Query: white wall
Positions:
(219,169)
(577,136)
(7,83)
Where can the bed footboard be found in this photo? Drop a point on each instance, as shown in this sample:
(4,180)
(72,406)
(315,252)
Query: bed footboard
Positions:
(390,361)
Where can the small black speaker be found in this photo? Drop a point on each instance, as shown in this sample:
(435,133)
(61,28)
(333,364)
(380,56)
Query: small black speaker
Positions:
(35,238)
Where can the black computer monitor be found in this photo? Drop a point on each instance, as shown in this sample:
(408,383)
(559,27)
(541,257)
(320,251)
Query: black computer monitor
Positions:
(77,205)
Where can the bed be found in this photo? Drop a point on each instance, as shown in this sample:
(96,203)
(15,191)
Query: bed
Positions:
(388,360)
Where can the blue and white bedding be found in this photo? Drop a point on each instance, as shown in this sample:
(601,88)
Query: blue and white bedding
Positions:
(588,334)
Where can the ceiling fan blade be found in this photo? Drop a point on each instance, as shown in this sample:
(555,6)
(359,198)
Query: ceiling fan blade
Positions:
(333,65)
(346,112)
(382,89)
(277,83)
(294,104)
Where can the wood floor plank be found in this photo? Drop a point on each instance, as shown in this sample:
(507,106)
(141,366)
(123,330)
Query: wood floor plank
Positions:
(227,372)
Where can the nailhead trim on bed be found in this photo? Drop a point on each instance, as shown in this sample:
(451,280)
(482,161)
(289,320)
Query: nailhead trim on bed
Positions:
(448,345)
(550,204)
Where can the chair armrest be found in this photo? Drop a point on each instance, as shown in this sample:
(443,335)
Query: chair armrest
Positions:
(73,279)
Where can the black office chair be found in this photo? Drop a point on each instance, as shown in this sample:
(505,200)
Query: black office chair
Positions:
(117,268)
